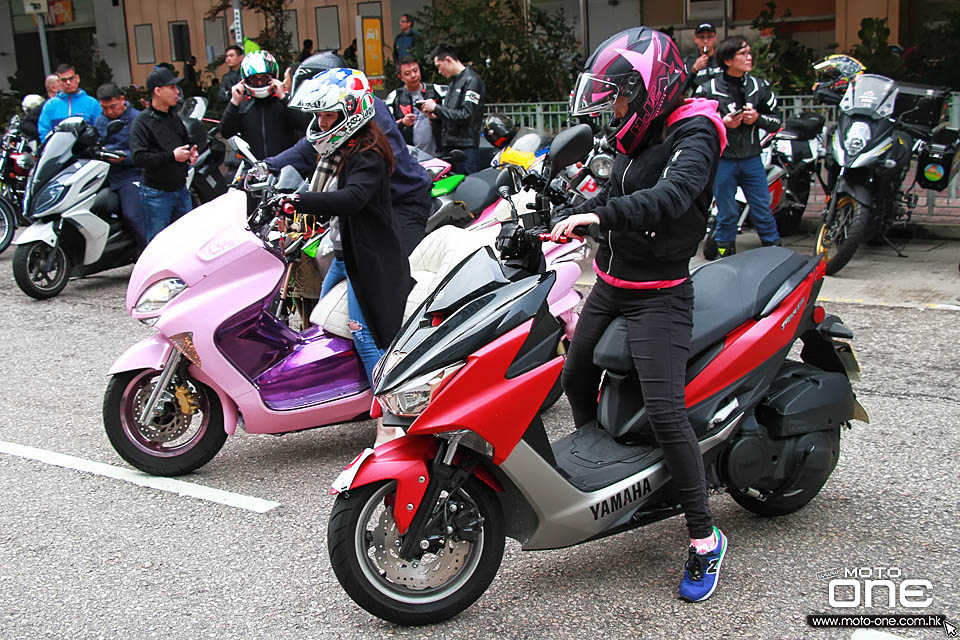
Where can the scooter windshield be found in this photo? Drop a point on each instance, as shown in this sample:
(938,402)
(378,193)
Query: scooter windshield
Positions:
(57,153)
(870,95)
(522,150)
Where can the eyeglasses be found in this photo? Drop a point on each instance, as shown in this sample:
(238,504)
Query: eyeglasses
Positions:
(258,81)
(745,54)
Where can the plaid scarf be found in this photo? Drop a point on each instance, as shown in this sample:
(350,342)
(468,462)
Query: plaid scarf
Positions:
(325,176)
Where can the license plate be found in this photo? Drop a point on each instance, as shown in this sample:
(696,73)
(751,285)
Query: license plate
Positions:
(849,359)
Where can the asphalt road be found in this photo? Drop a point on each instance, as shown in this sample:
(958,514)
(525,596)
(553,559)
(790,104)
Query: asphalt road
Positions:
(86,556)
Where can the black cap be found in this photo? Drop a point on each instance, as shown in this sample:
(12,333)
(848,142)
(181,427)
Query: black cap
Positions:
(706,26)
(161,77)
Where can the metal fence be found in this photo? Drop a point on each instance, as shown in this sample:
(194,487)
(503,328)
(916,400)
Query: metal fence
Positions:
(551,117)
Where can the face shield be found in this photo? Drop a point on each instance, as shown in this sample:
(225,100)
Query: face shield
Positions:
(596,93)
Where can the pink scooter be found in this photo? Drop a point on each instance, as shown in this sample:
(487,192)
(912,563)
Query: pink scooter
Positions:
(221,358)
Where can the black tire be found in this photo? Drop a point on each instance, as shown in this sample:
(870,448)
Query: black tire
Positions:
(772,508)
(790,215)
(845,235)
(161,449)
(8,224)
(367,578)
(28,271)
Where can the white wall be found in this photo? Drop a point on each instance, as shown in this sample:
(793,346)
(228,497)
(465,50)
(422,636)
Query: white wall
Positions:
(111,30)
(8,57)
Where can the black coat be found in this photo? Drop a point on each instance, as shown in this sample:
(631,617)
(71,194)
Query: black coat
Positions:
(267,124)
(373,250)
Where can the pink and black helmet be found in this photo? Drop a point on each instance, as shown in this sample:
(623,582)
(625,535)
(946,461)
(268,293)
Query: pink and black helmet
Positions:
(640,64)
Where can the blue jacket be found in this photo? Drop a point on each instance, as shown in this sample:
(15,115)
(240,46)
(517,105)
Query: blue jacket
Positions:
(64,105)
(120,141)
(409,179)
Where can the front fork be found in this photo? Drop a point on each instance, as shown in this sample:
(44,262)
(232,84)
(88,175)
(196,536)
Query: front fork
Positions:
(152,407)
(58,234)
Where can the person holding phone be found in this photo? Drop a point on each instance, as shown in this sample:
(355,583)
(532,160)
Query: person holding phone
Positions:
(418,129)
(161,148)
(702,65)
(258,109)
(746,105)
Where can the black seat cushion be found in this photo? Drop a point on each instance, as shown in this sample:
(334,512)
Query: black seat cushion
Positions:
(107,202)
(478,191)
(726,293)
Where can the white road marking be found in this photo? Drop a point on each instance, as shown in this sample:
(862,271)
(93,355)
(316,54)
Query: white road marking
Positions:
(178,487)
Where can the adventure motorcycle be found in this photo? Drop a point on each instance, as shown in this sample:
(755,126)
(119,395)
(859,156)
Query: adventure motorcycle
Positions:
(417,530)
(209,284)
(76,228)
(882,124)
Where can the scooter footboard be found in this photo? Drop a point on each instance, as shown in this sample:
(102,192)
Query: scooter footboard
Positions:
(153,353)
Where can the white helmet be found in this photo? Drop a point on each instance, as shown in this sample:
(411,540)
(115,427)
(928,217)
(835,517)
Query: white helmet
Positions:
(31,101)
(345,91)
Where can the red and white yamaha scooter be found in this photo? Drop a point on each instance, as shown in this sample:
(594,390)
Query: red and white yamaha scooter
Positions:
(417,531)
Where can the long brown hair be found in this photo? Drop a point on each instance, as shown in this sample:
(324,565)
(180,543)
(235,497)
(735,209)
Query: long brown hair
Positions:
(369,137)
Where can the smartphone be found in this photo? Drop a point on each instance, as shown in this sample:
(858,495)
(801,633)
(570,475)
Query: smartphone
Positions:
(419,104)
(737,112)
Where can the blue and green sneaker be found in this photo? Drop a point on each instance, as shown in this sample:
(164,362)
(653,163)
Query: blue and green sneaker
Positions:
(702,571)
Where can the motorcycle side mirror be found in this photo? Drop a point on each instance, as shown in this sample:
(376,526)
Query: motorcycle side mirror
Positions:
(457,156)
(113,127)
(570,146)
(506,183)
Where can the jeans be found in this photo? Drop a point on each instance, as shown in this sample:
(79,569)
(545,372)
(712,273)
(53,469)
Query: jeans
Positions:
(160,208)
(363,340)
(659,325)
(752,178)
(131,210)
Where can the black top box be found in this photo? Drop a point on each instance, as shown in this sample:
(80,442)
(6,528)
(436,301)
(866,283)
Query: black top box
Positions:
(908,97)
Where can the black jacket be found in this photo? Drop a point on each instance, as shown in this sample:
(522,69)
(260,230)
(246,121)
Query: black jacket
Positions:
(461,111)
(153,138)
(373,250)
(267,124)
(229,79)
(653,210)
(400,102)
(732,93)
(695,79)
(28,123)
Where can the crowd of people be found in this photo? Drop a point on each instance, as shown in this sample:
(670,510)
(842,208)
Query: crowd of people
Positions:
(322,118)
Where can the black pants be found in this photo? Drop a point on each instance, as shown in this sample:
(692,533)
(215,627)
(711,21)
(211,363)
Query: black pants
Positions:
(412,213)
(659,324)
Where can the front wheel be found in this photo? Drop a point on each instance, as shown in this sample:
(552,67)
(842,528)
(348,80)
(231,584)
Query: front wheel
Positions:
(847,231)
(459,555)
(182,437)
(8,224)
(41,271)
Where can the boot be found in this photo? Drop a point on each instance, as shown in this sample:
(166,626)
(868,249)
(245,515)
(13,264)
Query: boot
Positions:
(725,249)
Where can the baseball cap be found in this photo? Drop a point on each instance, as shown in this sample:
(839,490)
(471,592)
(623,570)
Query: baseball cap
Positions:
(705,26)
(161,77)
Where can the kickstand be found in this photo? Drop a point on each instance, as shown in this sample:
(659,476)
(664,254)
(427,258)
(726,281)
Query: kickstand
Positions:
(895,247)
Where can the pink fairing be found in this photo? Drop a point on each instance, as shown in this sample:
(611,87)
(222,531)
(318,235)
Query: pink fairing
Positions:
(701,107)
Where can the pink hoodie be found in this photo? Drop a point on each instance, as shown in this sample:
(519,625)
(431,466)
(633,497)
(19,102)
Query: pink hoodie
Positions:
(700,107)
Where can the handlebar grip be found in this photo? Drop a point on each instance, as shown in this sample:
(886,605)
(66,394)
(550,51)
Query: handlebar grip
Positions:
(592,230)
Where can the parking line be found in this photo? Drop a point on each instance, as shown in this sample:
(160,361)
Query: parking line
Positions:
(139,478)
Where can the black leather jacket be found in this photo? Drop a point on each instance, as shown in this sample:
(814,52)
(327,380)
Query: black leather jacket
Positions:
(401,103)
(744,141)
(462,111)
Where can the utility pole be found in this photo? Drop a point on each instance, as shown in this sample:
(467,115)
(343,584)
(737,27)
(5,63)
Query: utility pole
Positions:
(237,24)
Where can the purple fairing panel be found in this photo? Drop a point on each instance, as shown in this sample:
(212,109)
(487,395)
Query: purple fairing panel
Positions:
(323,367)
(253,340)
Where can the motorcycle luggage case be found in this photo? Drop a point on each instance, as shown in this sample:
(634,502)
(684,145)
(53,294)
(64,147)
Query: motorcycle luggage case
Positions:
(804,398)
(937,164)
(909,95)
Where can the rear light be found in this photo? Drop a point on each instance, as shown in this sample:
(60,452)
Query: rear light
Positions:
(818,314)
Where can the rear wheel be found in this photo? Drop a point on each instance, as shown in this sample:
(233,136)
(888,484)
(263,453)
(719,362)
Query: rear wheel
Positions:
(460,552)
(184,436)
(41,271)
(814,476)
(789,216)
(838,242)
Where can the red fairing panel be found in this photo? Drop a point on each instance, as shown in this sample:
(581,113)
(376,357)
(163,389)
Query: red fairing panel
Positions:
(481,399)
(403,460)
(752,344)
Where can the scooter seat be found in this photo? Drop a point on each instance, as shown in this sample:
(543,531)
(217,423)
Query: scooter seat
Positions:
(436,255)
(805,127)
(726,293)
(478,191)
(106,203)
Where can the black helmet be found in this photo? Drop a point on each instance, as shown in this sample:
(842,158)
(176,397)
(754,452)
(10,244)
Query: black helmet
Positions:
(499,129)
(313,65)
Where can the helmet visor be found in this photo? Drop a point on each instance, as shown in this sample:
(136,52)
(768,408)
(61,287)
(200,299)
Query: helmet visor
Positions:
(259,80)
(595,93)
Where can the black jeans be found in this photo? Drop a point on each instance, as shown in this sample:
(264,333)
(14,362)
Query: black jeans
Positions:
(659,324)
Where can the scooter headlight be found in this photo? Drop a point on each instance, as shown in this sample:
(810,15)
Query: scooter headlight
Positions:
(49,197)
(601,165)
(413,398)
(858,135)
(159,294)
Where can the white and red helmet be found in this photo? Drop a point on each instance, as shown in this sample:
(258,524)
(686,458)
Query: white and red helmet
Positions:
(641,64)
(344,91)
